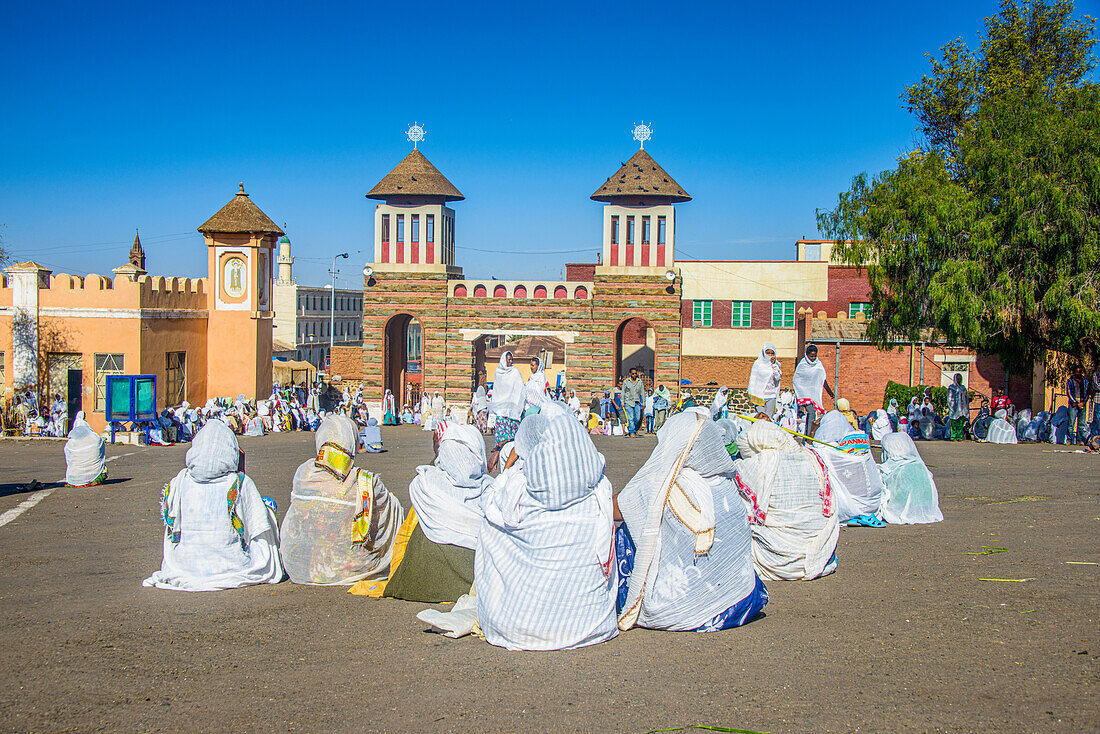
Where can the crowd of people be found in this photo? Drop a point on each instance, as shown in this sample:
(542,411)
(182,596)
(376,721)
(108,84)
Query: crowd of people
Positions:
(529,539)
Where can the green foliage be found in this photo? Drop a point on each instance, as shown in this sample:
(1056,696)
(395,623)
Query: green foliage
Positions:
(988,234)
(904,393)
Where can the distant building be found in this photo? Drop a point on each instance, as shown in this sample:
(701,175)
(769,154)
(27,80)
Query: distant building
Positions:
(201,337)
(303,316)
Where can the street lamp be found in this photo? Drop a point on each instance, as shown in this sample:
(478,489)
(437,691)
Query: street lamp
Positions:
(332,308)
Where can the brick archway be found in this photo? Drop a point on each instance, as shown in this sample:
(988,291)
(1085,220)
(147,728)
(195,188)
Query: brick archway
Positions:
(402,371)
(636,346)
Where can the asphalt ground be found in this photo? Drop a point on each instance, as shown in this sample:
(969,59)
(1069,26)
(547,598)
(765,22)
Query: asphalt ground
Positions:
(906,636)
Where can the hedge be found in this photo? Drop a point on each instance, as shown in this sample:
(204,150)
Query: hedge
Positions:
(904,393)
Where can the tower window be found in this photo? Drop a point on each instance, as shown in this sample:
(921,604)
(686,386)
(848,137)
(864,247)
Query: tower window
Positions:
(415,227)
(660,230)
(429,227)
(400,227)
(614,230)
(385,227)
(645,230)
(630,230)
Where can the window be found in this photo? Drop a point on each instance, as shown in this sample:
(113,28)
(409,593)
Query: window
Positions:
(175,365)
(385,227)
(630,230)
(856,307)
(701,313)
(413,346)
(645,230)
(429,227)
(415,227)
(614,230)
(660,230)
(400,227)
(741,314)
(782,314)
(813,253)
(105,364)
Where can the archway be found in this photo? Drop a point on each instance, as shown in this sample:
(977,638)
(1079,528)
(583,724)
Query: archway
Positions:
(636,347)
(402,361)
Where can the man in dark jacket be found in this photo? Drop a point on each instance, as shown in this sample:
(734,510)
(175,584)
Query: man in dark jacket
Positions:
(1077,389)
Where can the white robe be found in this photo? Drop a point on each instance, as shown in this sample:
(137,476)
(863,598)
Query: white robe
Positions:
(447,495)
(544,562)
(809,380)
(508,391)
(209,554)
(797,539)
(765,375)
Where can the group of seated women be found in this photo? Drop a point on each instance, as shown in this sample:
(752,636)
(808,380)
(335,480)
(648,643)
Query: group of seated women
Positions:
(541,556)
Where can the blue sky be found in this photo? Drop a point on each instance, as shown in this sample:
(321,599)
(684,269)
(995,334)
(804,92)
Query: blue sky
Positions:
(124,116)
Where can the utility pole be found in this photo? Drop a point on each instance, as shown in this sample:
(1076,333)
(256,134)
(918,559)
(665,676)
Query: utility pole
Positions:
(332,310)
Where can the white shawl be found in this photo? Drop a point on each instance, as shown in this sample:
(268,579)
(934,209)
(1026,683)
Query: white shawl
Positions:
(447,496)
(809,380)
(534,392)
(765,375)
(508,389)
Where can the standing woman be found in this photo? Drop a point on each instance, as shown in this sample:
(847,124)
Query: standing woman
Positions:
(764,380)
(508,400)
(389,409)
(809,380)
(479,409)
(958,408)
(662,403)
(534,393)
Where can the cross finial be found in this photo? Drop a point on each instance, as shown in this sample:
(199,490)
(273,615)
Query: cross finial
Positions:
(642,133)
(415,133)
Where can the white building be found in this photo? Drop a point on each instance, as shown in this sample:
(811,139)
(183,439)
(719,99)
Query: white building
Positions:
(303,314)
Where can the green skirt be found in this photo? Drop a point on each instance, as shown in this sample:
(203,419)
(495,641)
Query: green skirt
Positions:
(431,572)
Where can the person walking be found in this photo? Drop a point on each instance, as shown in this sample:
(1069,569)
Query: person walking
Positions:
(1094,386)
(633,401)
(1077,390)
(647,411)
(662,403)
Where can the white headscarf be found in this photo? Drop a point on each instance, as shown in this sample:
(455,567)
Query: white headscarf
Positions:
(809,379)
(721,400)
(765,375)
(508,387)
(447,495)
(480,401)
(534,392)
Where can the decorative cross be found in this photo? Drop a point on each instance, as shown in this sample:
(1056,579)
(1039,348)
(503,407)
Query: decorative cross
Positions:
(642,133)
(415,133)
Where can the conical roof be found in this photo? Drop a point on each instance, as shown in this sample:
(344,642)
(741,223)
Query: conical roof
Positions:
(240,216)
(415,176)
(640,176)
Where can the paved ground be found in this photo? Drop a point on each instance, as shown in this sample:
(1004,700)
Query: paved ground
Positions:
(904,637)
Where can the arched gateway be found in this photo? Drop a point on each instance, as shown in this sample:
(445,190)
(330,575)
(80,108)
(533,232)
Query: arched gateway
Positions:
(609,315)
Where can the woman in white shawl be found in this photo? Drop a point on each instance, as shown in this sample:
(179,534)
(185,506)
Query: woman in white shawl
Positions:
(342,522)
(856,482)
(544,566)
(691,566)
(881,426)
(764,380)
(85,455)
(389,409)
(447,494)
(535,391)
(575,406)
(1001,430)
(911,495)
(218,533)
(479,409)
(719,407)
(508,400)
(809,381)
(439,409)
(790,503)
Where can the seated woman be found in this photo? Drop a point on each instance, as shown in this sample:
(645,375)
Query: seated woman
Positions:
(370,437)
(544,563)
(218,533)
(342,522)
(1001,430)
(882,425)
(434,561)
(855,479)
(790,503)
(692,566)
(85,455)
(911,495)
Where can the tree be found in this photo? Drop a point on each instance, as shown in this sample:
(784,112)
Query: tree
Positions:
(988,232)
